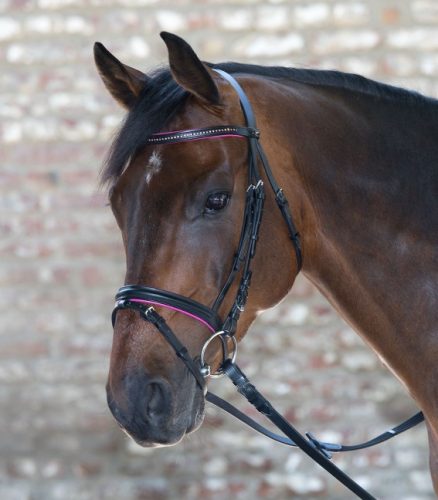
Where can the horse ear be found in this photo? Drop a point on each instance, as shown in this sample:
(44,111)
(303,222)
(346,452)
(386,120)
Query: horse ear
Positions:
(123,82)
(188,71)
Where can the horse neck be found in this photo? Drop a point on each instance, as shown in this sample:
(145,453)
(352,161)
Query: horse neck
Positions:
(362,172)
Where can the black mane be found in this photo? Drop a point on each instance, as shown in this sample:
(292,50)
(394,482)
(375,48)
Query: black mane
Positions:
(163,98)
(329,78)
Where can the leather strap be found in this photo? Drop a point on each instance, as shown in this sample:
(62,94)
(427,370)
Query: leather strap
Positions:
(172,299)
(202,133)
(257,151)
(283,205)
(249,391)
(328,448)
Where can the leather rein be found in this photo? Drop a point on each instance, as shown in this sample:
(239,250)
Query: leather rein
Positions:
(143,299)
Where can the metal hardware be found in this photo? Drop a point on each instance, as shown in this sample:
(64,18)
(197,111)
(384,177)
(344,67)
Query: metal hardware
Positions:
(205,368)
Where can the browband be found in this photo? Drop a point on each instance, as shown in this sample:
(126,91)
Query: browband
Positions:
(203,133)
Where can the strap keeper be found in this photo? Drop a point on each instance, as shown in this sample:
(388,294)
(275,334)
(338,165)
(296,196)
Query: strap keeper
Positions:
(296,238)
(281,198)
(182,353)
(253,133)
(318,445)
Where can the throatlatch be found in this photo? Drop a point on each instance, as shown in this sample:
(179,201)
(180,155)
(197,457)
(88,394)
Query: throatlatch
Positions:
(144,299)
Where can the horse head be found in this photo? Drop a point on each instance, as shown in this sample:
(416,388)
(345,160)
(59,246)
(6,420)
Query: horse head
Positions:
(180,208)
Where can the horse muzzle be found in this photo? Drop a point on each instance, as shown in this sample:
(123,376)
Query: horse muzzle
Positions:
(153,413)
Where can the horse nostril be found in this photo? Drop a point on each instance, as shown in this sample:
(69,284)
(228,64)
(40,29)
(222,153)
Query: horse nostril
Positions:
(142,404)
(157,399)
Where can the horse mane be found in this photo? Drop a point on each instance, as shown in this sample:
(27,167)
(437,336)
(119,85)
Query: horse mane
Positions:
(330,78)
(162,98)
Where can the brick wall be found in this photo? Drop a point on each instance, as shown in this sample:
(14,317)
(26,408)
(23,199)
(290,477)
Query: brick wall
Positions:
(61,259)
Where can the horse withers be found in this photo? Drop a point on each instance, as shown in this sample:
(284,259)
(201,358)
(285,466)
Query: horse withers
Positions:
(358,162)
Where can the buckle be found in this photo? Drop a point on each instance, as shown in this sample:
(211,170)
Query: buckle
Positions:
(253,133)
(224,336)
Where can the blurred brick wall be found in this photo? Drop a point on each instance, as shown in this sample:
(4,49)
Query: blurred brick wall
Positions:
(61,260)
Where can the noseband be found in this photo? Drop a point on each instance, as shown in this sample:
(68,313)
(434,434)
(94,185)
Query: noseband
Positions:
(143,299)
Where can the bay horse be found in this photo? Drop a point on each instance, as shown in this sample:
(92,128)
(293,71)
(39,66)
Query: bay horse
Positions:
(358,162)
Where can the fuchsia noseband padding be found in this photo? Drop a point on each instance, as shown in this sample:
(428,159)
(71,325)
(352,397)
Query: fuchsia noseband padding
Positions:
(176,309)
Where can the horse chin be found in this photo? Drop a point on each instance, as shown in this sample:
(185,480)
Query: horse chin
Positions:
(170,441)
(197,421)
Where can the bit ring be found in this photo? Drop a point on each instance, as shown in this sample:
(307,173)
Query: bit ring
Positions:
(205,369)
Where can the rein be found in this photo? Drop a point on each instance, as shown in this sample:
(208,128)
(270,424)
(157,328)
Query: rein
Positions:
(143,299)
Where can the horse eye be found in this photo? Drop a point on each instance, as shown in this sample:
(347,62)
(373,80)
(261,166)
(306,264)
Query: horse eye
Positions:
(216,202)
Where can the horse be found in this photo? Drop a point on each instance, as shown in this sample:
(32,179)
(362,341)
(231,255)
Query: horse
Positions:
(358,162)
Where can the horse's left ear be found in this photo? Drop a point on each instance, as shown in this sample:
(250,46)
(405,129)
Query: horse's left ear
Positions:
(123,82)
(188,71)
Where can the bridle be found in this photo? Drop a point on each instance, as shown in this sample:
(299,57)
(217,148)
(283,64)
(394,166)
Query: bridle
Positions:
(143,299)
(137,297)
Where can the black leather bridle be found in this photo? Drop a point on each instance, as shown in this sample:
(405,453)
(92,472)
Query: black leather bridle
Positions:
(143,299)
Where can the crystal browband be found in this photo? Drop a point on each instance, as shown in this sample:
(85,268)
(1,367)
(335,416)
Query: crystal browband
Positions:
(203,133)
